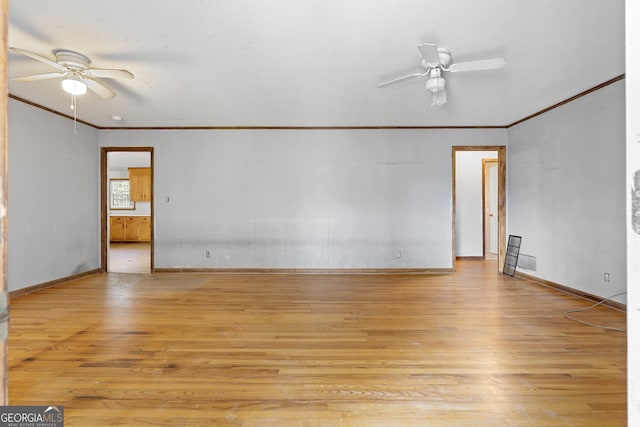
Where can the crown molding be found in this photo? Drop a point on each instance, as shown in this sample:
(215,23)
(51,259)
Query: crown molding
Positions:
(568,100)
(66,116)
(517,122)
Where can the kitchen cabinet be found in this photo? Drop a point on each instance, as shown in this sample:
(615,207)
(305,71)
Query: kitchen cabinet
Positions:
(144,228)
(117,228)
(140,184)
(130,229)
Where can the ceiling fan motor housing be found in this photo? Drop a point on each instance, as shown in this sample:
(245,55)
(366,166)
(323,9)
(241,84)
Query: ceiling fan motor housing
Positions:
(444,58)
(74,60)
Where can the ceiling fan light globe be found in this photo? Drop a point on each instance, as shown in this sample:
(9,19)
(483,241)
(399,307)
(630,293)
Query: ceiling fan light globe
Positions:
(435,84)
(74,86)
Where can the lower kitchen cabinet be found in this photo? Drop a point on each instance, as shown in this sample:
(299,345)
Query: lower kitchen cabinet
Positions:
(130,229)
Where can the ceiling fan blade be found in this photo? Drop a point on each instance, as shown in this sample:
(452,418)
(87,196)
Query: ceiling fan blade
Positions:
(483,64)
(39,77)
(38,58)
(99,88)
(105,73)
(400,79)
(430,54)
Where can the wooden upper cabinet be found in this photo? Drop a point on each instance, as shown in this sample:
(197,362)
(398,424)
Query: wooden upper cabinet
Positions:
(140,184)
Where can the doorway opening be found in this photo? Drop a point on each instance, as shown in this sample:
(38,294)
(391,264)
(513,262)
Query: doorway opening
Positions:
(127,209)
(479,203)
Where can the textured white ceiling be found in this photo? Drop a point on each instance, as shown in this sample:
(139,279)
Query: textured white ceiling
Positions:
(317,62)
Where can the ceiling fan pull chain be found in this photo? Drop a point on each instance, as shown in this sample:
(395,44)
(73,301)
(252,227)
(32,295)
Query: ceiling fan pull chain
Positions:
(74,107)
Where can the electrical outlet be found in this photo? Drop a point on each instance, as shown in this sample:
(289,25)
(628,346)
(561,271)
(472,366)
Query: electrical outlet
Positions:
(607,277)
(207,253)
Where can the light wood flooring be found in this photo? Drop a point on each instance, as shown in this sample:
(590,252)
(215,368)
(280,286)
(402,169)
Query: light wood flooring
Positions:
(472,348)
(130,257)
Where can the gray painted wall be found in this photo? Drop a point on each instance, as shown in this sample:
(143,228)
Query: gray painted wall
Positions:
(54,215)
(566,193)
(303,198)
(325,198)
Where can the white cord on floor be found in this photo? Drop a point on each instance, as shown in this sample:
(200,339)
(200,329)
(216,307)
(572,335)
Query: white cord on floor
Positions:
(608,328)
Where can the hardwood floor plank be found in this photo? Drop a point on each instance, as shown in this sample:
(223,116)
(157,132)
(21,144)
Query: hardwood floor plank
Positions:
(472,348)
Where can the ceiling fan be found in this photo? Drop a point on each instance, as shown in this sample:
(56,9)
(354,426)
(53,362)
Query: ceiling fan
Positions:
(437,60)
(74,69)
